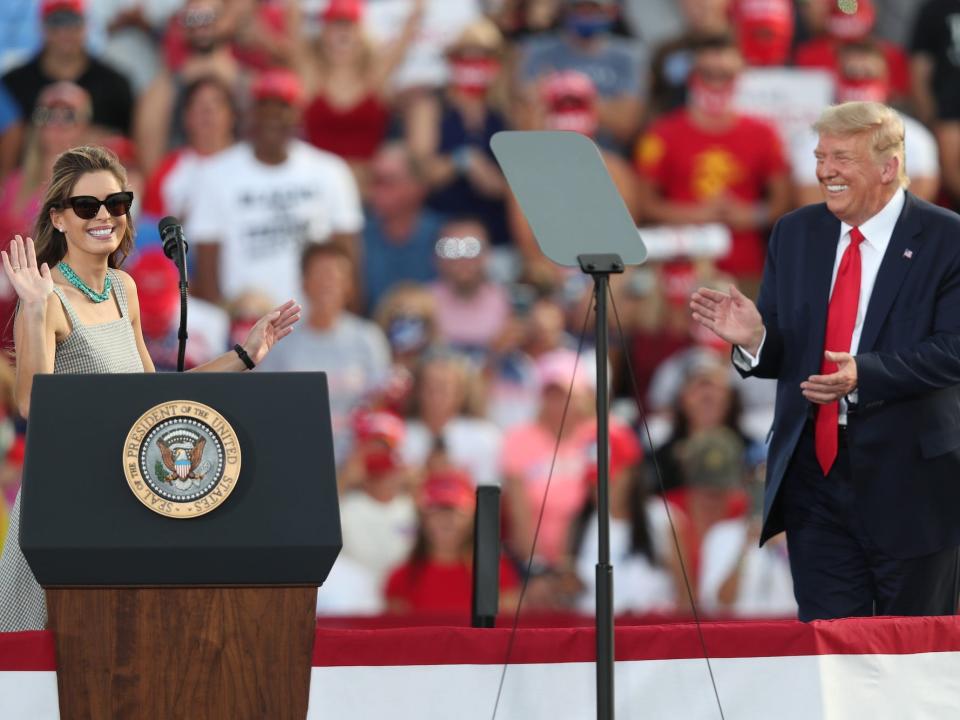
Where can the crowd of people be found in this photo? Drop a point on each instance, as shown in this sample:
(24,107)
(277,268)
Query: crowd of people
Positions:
(337,152)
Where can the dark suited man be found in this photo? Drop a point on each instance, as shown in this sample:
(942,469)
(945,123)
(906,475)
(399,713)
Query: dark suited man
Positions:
(858,319)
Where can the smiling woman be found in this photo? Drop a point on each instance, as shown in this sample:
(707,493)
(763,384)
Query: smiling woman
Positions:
(79,313)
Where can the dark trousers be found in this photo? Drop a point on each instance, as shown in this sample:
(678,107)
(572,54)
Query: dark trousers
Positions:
(838,571)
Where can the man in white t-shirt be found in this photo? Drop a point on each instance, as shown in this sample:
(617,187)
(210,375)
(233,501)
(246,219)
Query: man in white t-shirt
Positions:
(862,74)
(260,201)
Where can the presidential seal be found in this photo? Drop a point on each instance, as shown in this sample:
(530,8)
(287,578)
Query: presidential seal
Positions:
(181,459)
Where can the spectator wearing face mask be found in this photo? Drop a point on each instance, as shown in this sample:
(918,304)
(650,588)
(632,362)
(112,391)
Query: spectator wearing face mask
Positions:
(764,31)
(568,101)
(673,60)
(378,514)
(451,134)
(850,22)
(615,65)
(862,76)
(707,163)
(407,316)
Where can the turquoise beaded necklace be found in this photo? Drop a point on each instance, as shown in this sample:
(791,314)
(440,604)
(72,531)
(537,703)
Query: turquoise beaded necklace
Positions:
(80,285)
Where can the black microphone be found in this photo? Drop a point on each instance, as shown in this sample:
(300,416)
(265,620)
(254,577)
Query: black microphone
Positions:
(175,248)
(171,234)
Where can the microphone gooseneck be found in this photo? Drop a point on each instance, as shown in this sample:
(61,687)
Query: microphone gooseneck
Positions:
(175,248)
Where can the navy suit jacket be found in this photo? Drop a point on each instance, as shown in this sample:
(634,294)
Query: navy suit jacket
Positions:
(904,431)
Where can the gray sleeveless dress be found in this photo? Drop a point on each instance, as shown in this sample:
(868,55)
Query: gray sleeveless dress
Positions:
(105,348)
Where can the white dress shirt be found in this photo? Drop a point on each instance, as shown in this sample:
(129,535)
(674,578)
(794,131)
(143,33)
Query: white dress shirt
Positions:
(877,232)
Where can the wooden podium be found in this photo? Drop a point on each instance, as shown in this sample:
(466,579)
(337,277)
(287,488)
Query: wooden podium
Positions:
(165,617)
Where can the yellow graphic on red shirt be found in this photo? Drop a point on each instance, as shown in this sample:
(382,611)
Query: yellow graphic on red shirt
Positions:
(714,172)
(650,151)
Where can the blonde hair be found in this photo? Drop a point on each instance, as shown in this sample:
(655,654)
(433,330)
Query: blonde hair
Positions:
(468,377)
(884,124)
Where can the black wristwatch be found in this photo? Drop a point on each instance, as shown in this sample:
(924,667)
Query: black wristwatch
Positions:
(244,357)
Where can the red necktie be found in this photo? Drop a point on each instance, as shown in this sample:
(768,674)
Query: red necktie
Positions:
(841,317)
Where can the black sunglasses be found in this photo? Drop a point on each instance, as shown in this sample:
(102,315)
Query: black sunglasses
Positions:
(86,207)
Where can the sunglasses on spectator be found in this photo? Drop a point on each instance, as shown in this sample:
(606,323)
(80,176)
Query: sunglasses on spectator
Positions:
(55,115)
(199,18)
(716,77)
(86,207)
(63,19)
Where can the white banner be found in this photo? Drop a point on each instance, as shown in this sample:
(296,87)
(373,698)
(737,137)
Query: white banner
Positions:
(830,687)
(28,677)
(876,669)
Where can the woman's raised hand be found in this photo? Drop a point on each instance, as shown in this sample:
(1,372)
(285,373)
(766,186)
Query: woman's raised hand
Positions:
(33,284)
(270,329)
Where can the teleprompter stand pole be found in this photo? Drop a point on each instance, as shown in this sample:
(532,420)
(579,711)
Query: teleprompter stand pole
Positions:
(600,267)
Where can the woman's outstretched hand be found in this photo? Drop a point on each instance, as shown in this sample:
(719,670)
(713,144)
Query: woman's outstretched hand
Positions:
(33,285)
(270,329)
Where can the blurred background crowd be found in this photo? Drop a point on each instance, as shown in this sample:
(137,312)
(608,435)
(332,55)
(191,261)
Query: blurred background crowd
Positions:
(337,151)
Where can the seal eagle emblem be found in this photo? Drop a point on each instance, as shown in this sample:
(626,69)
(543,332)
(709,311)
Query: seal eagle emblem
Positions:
(182,459)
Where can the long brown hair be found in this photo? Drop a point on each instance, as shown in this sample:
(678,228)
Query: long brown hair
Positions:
(69,167)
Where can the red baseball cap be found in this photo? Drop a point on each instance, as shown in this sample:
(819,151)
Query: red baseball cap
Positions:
(350,10)
(278,84)
(379,425)
(48,7)
(448,487)
(851,19)
(625,450)
(764,30)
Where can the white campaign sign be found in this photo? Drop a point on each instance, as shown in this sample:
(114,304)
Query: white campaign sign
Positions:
(790,98)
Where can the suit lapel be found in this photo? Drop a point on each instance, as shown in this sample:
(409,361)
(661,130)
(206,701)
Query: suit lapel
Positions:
(822,255)
(896,262)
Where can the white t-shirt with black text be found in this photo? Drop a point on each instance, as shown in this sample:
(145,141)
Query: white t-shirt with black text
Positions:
(262,215)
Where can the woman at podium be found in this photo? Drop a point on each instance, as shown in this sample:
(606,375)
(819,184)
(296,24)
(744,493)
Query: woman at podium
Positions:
(79,313)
